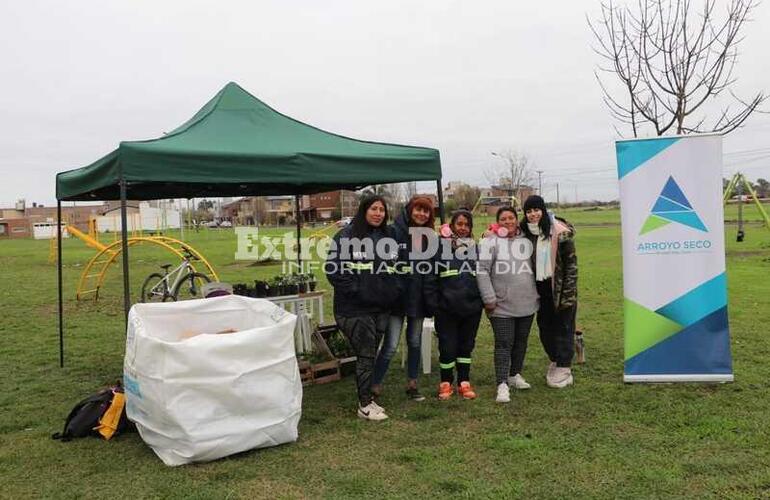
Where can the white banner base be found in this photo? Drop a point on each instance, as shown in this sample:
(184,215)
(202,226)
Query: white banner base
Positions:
(694,377)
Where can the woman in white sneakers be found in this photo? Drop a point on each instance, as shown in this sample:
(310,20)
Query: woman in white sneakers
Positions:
(556,272)
(365,290)
(507,285)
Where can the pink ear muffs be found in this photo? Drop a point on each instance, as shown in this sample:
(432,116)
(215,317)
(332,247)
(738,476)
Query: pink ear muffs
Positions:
(498,230)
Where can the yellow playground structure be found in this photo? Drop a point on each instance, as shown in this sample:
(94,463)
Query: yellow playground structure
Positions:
(93,275)
(325,232)
(483,201)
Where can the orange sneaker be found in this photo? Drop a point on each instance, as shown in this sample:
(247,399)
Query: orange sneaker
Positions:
(466,391)
(445,391)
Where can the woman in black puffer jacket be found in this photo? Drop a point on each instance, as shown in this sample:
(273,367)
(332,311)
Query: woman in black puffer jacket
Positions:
(365,289)
(453,294)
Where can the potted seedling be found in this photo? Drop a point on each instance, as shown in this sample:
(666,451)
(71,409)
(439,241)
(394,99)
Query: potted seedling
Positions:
(302,282)
(291,287)
(274,289)
(261,288)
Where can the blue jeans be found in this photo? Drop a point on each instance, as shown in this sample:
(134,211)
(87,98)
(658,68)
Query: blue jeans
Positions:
(390,344)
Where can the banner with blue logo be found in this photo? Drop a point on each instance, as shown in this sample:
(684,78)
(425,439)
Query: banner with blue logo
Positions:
(674,282)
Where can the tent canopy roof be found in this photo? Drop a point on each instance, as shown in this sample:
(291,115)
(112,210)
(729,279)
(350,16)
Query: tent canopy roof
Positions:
(236,145)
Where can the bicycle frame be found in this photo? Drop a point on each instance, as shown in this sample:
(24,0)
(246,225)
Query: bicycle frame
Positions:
(177,274)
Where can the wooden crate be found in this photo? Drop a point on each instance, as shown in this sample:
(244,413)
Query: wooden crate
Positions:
(348,366)
(325,372)
(305,372)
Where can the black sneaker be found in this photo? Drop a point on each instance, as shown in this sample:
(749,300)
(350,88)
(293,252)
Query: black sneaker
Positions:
(414,394)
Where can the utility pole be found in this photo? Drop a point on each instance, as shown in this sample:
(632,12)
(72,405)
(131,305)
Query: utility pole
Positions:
(576,198)
(539,182)
(741,234)
(557,195)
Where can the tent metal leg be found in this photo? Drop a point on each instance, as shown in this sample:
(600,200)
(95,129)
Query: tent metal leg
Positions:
(124,248)
(61,297)
(440,195)
(299,230)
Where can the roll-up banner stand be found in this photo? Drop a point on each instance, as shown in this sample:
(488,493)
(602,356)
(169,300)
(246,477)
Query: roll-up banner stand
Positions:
(674,281)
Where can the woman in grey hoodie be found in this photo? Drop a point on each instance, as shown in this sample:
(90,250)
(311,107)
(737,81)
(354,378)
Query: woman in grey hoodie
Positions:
(507,286)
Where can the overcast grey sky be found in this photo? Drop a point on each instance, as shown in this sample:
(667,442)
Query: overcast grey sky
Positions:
(465,77)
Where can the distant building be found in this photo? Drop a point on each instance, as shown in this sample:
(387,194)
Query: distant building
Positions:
(19,221)
(451,189)
(496,196)
(240,212)
(145,217)
(330,205)
(279,209)
(14,228)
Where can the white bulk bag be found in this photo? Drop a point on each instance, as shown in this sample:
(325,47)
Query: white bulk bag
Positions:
(202,397)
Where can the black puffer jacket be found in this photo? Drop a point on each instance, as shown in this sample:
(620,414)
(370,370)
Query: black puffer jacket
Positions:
(411,273)
(364,283)
(452,288)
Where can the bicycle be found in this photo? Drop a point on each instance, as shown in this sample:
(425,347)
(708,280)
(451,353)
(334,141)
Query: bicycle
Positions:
(183,280)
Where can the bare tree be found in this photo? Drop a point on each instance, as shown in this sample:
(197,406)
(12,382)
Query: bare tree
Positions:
(513,174)
(466,196)
(673,65)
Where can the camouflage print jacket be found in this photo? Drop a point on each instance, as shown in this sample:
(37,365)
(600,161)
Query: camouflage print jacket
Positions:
(563,263)
(565,270)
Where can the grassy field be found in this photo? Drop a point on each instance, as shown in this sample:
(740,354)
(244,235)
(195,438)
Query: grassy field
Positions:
(598,439)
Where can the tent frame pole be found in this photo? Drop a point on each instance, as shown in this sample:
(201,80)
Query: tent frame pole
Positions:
(61,297)
(299,231)
(124,248)
(440,195)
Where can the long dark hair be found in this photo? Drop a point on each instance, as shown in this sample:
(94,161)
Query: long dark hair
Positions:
(535,201)
(360,226)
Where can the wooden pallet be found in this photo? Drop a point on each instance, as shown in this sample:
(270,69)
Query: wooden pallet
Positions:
(319,373)
(305,373)
(327,371)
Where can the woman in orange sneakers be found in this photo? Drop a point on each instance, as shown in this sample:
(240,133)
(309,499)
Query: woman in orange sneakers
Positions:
(453,296)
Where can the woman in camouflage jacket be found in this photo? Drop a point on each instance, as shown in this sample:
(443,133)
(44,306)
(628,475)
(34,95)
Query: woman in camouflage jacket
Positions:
(555,264)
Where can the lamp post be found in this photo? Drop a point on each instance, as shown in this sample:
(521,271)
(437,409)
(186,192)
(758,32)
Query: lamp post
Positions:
(511,189)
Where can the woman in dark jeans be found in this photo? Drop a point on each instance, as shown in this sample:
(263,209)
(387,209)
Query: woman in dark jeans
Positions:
(411,306)
(365,288)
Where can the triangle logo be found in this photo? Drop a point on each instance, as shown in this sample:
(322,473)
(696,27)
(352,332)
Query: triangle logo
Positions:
(672,206)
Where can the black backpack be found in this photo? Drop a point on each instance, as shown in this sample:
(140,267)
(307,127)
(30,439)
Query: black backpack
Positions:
(84,417)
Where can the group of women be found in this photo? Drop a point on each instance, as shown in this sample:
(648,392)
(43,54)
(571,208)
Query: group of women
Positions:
(385,276)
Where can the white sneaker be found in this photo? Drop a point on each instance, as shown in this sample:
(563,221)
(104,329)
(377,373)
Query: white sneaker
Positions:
(503,393)
(560,378)
(518,382)
(372,411)
(549,373)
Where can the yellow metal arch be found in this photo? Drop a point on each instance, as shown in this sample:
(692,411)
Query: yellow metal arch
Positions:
(324,232)
(108,255)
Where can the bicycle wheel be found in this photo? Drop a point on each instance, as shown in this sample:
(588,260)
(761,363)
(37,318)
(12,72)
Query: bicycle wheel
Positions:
(190,287)
(155,289)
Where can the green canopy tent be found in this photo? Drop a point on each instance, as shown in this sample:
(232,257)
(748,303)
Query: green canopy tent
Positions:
(236,145)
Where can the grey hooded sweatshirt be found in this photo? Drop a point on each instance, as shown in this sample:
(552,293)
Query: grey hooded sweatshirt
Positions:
(505,276)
